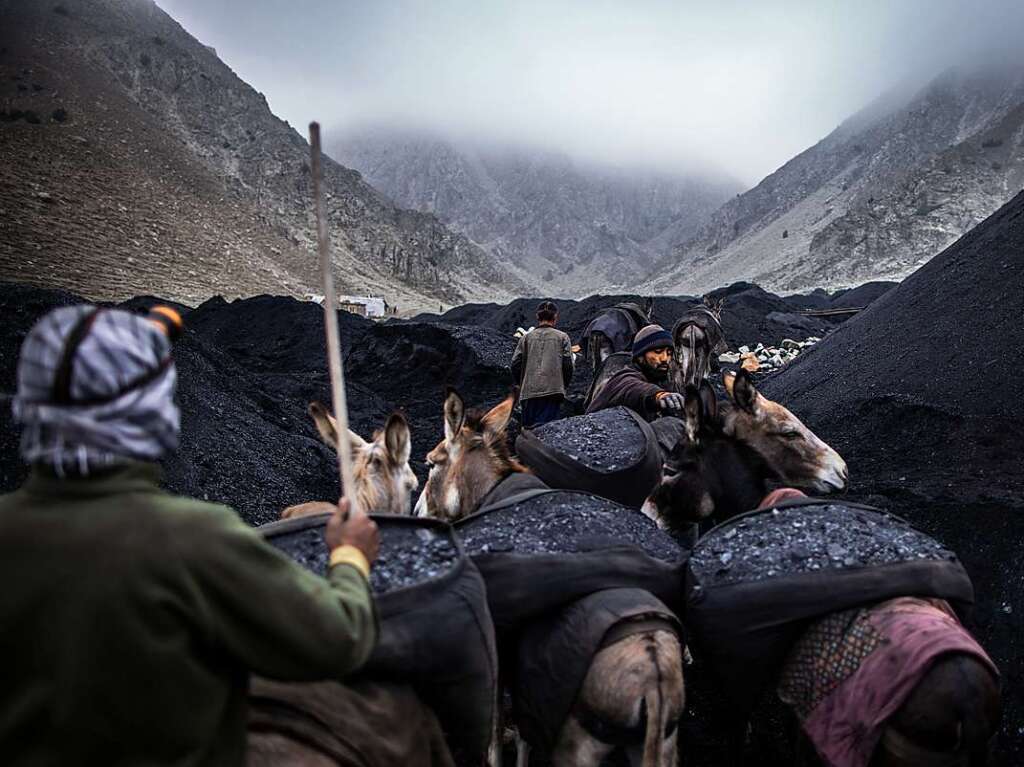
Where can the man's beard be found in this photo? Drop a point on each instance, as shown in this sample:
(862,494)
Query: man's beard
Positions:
(655,373)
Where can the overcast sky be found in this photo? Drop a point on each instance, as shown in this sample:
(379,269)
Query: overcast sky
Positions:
(741,86)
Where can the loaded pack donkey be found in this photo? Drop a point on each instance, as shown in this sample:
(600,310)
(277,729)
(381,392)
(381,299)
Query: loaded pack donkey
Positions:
(384,480)
(949,712)
(328,724)
(635,683)
(731,454)
(612,330)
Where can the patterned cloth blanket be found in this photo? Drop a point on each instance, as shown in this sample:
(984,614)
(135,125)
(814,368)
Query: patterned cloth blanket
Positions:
(852,670)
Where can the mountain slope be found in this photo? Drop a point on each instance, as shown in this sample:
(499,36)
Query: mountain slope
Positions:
(571,228)
(136,161)
(875,199)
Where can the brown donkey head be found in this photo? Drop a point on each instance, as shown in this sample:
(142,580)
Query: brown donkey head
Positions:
(793,451)
(384,481)
(471,459)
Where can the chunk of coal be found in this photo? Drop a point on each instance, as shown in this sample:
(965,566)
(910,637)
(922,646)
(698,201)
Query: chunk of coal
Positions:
(606,441)
(408,555)
(800,539)
(565,523)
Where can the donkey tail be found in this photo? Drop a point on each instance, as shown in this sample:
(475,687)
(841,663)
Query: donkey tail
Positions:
(652,737)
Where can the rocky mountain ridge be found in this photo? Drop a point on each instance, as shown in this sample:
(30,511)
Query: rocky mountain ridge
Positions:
(875,199)
(139,162)
(570,228)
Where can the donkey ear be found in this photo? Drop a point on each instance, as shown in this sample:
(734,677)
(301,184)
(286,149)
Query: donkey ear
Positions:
(397,439)
(454,415)
(496,420)
(744,393)
(709,401)
(328,427)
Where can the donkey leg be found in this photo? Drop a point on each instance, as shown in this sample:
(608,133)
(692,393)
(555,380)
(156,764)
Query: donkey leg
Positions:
(578,748)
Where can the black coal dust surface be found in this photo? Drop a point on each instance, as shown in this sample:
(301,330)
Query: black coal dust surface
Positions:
(606,441)
(409,555)
(410,365)
(565,522)
(789,541)
(920,394)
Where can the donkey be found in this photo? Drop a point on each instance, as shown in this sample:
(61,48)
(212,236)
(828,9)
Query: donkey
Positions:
(728,457)
(721,466)
(612,330)
(697,337)
(625,678)
(384,480)
(636,682)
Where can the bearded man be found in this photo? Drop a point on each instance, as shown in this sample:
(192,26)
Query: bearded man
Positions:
(640,385)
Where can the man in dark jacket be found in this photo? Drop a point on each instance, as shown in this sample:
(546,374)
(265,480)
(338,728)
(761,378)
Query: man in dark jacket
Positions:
(131,618)
(640,385)
(543,366)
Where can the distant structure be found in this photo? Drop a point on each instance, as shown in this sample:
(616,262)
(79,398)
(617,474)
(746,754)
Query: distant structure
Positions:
(364,306)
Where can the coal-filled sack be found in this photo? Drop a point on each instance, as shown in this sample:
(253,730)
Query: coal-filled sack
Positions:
(435,629)
(612,453)
(541,549)
(554,652)
(755,582)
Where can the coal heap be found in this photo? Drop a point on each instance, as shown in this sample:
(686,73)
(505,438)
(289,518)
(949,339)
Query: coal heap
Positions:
(605,441)
(408,554)
(273,334)
(917,394)
(862,296)
(751,315)
(915,385)
(564,522)
(801,539)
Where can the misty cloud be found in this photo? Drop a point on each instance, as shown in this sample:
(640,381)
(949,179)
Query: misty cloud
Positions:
(737,86)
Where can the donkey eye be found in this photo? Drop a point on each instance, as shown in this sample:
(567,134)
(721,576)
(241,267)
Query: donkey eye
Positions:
(791,435)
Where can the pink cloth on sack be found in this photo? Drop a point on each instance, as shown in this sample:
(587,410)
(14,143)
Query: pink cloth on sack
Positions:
(851,671)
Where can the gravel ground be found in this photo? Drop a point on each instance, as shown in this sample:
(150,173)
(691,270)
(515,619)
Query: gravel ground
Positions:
(606,441)
(781,542)
(565,522)
(408,555)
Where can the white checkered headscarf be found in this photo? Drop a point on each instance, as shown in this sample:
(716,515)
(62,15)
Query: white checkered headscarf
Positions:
(98,402)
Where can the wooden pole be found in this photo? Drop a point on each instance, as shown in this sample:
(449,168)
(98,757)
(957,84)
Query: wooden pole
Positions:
(334,361)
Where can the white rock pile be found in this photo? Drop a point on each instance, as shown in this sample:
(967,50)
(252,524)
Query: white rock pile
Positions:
(768,358)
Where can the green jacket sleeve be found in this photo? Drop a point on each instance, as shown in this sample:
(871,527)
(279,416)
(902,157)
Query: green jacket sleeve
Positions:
(270,614)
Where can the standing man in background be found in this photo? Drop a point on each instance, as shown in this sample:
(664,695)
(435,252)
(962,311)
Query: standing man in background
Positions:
(543,365)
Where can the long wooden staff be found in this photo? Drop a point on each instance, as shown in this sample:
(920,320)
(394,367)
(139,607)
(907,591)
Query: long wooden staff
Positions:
(334,361)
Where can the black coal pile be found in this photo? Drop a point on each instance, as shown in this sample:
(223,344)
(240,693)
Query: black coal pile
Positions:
(605,441)
(565,522)
(408,555)
(862,296)
(273,334)
(752,315)
(804,539)
(20,307)
(918,394)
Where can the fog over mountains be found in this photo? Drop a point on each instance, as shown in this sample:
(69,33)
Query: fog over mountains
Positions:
(888,189)
(875,199)
(566,227)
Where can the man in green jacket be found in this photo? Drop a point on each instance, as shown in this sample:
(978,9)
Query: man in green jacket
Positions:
(131,618)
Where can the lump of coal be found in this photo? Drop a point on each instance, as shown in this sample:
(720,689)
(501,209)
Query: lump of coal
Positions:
(800,539)
(605,441)
(564,522)
(409,555)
